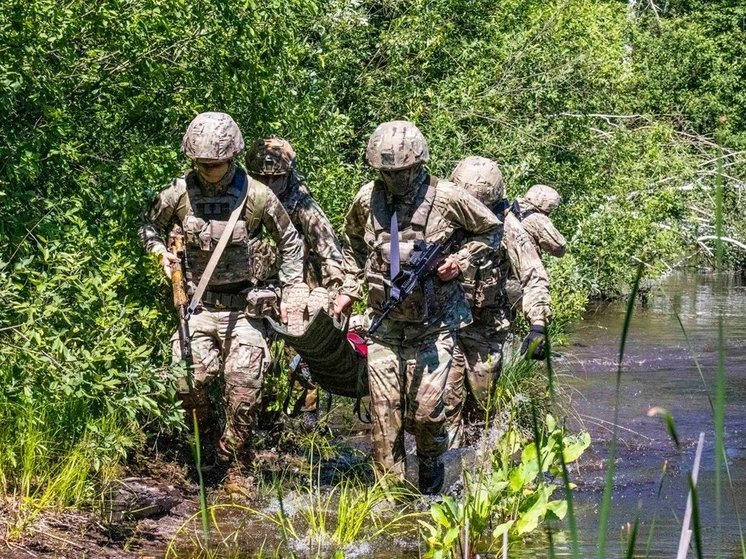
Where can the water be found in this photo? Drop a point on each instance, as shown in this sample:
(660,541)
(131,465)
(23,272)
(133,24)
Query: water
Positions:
(659,370)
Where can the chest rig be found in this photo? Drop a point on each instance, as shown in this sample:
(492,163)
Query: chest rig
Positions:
(487,288)
(206,218)
(412,229)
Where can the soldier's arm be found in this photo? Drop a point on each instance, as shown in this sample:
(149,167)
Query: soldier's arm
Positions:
(550,239)
(289,244)
(354,249)
(161,214)
(323,241)
(484,227)
(530,271)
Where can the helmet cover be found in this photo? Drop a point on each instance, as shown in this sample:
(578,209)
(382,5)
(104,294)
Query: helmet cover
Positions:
(543,198)
(396,145)
(480,177)
(270,156)
(212,136)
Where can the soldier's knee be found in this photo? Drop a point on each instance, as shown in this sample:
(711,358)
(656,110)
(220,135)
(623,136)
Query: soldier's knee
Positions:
(428,415)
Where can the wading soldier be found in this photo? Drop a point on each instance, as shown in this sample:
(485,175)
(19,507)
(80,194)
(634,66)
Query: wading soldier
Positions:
(479,356)
(409,356)
(228,343)
(533,212)
(273,160)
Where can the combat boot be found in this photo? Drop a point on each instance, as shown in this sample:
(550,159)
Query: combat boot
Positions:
(431,475)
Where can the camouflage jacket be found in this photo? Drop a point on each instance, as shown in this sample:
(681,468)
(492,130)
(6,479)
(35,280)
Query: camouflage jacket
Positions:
(435,212)
(323,265)
(540,228)
(202,214)
(515,265)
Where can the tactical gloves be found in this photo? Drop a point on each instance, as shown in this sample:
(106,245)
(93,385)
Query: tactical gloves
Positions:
(533,344)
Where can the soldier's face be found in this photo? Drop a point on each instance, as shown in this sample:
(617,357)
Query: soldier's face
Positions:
(212,171)
(400,182)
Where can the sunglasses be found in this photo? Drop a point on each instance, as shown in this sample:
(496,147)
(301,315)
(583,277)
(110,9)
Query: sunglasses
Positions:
(208,166)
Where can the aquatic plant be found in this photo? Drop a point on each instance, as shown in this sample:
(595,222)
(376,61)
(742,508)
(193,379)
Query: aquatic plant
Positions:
(507,495)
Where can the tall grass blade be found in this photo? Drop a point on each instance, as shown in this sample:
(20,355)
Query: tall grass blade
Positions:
(633,538)
(550,369)
(690,348)
(196,449)
(571,520)
(696,526)
(653,521)
(720,382)
(603,526)
(686,533)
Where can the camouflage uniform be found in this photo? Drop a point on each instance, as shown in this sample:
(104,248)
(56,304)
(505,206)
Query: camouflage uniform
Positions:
(221,328)
(409,357)
(479,355)
(274,158)
(323,253)
(533,211)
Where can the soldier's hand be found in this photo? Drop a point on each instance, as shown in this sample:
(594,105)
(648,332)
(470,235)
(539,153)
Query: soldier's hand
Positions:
(533,344)
(167,259)
(449,269)
(342,304)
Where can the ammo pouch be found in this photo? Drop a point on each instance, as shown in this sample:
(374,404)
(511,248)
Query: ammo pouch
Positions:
(488,292)
(332,361)
(261,302)
(412,309)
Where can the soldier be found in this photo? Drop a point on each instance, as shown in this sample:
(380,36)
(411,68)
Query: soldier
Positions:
(479,356)
(533,212)
(199,204)
(273,159)
(409,357)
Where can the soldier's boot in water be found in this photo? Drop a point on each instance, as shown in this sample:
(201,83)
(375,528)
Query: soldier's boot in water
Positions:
(296,301)
(431,475)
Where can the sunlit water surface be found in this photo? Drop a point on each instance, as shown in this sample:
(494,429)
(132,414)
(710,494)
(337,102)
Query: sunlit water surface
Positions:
(659,369)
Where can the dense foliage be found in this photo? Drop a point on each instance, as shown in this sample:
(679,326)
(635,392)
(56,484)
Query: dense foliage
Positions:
(623,110)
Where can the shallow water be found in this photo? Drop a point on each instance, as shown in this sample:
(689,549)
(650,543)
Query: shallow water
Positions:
(659,370)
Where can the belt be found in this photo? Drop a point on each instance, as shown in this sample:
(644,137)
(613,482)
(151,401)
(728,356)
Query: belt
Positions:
(229,301)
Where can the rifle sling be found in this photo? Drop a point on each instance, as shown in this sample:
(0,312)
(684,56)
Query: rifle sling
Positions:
(222,243)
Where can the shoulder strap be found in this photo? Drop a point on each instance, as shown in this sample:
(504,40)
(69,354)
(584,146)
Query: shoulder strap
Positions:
(260,202)
(379,207)
(423,210)
(227,234)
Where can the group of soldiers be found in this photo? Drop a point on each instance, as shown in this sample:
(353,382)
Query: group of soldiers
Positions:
(435,354)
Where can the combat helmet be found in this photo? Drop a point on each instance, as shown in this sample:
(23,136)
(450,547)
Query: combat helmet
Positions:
(212,136)
(396,145)
(543,198)
(481,177)
(270,156)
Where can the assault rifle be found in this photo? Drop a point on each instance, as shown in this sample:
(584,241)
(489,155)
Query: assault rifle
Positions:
(424,263)
(181,299)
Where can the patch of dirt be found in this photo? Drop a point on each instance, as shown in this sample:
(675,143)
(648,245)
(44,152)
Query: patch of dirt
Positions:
(158,495)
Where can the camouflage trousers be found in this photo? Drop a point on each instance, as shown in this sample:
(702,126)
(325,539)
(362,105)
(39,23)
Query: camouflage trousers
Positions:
(477,362)
(231,349)
(407,383)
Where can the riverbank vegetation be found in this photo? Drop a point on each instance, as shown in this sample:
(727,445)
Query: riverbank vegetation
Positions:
(630,110)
